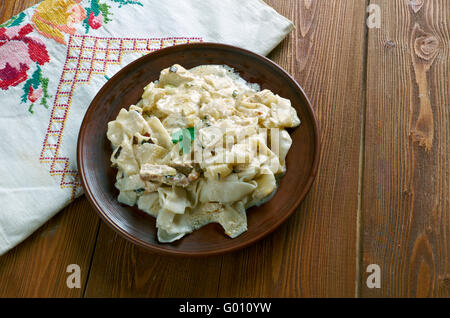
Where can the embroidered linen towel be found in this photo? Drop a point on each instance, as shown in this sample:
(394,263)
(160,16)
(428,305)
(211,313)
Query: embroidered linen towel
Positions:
(56,55)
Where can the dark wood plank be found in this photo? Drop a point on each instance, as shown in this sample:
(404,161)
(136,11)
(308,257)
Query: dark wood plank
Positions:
(37,267)
(123,269)
(314,253)
(406,177)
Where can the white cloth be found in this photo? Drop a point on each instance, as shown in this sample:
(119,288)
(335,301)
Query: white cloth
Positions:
(63,67)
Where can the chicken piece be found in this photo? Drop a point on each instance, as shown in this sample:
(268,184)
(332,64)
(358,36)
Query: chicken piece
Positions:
(191,171)
(184,168)
(175,75)
(194,175)
(156,173)
(177,180)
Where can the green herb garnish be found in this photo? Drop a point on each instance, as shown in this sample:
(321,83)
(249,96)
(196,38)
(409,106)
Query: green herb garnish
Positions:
(184,136)
(139,191)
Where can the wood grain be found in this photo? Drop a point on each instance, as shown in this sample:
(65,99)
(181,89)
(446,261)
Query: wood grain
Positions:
(406,177)
(314,253)
(38,266)
(123,269)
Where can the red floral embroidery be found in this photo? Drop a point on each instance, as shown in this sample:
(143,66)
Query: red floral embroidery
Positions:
(34,95)
(17,52)
(95,21)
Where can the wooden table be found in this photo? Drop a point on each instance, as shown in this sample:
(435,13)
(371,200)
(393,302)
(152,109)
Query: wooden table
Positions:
(381,195)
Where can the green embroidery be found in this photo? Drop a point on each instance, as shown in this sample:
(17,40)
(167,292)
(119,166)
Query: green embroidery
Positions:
(86,21)
(104,8)
(14,21)
(44,82)
(97,9)
(125,2)
(35,82)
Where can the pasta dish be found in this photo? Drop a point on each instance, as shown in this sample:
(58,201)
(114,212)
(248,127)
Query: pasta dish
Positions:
(200,147)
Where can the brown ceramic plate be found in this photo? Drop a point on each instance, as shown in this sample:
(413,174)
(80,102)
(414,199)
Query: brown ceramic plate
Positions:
(126,87)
